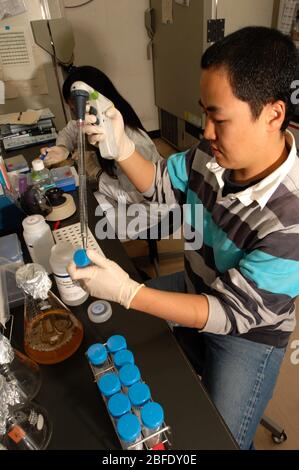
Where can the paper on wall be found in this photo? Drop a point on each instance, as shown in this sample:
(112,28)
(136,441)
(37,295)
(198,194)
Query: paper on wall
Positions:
(16,56)
(11,8)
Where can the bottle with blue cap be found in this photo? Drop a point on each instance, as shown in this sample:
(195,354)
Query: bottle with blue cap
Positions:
(109,384)
(98,356)
(123,357)
(129,432)
(128,376)
(116,343)
(152,418)
(118,405)
(139,395)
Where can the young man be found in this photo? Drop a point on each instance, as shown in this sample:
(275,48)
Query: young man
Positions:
(237,293)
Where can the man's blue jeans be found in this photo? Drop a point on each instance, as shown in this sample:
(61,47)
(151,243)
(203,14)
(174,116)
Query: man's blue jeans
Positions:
(238,374)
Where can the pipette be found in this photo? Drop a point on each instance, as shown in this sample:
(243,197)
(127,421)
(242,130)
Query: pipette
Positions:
(80,98)
(98,105)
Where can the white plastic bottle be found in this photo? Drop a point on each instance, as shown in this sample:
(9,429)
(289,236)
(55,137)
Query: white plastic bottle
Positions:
(39,240)
(70,292)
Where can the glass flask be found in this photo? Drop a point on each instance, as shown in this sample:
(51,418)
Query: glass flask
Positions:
(22,428)
(18,369)
(51,332)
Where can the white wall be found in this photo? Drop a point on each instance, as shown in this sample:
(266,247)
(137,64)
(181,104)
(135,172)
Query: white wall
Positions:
(110,35)
(43,59)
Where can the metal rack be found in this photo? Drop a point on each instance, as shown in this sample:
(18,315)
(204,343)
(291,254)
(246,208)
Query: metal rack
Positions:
(165,430)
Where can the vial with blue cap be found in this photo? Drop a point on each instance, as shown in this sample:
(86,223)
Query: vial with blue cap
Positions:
(139,395)
(123,357)
(98,357)
(118,405)
(129,432)
(116,343)
(109,384)
(81,259)
(128,376)
(152,418)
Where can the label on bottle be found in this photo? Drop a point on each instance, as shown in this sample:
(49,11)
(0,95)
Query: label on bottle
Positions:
(16,434)
(67,288)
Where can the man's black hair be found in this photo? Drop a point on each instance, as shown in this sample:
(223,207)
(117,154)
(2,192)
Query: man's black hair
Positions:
(261,64)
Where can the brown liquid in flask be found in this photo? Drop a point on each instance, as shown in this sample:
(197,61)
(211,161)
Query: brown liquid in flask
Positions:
(52,332)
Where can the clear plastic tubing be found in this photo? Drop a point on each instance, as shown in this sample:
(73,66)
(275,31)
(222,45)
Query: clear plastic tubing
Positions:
(139,395)
(152,417)
(118,405)
(123,357)
(129,431)
(98,356)
(128,376)
(115,343)
(109,384)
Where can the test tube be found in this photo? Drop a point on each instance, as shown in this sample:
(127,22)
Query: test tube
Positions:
(116,343)
(109,384)
(123,357)
(152,417)
(139,395)
(98,356)
(118,405)
(129,431)
(128,376)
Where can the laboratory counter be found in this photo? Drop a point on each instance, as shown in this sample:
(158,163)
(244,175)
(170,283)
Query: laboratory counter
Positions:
(72,398)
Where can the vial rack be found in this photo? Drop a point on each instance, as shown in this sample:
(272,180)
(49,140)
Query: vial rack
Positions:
(165,430)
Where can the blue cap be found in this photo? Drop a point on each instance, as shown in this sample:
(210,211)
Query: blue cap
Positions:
(128,428)
(123,357)
(139,394)
(152,415)
(81,259)
(116,343)
(109,384)
(129,375)
(97,354)
(118,405)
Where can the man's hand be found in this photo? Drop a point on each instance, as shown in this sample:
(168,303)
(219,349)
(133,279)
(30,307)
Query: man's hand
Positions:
(96,134)
(55,154)
(105,280)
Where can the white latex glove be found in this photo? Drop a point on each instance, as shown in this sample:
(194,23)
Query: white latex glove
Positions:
(97,134)
(105,279)
(55,154)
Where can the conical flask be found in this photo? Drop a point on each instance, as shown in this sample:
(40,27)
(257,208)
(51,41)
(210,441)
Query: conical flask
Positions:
(51,332)
(19,370)
(25,427)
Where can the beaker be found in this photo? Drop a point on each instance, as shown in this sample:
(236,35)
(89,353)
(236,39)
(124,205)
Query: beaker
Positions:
(51,332)
(18,369)
(22,427)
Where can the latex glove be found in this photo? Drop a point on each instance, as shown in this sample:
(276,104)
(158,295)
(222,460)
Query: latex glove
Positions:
(55,154)
(105,279)
(97,134)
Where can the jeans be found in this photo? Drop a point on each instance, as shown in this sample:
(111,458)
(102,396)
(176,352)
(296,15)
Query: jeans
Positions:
(238,374)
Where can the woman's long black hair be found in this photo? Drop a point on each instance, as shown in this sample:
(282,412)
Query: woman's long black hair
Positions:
(100,82)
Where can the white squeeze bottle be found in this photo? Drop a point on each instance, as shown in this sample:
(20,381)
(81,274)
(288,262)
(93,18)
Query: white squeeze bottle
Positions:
(39,240)
(70,292)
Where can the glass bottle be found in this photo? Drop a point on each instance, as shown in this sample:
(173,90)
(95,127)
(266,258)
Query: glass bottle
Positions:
(19,370)
(51,332)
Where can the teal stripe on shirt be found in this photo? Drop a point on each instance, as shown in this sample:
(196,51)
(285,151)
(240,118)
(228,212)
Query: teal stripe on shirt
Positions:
(226,254)
(276,275)
(176,165)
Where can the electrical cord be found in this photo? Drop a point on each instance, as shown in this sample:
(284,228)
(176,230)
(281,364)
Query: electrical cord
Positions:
(80,4)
